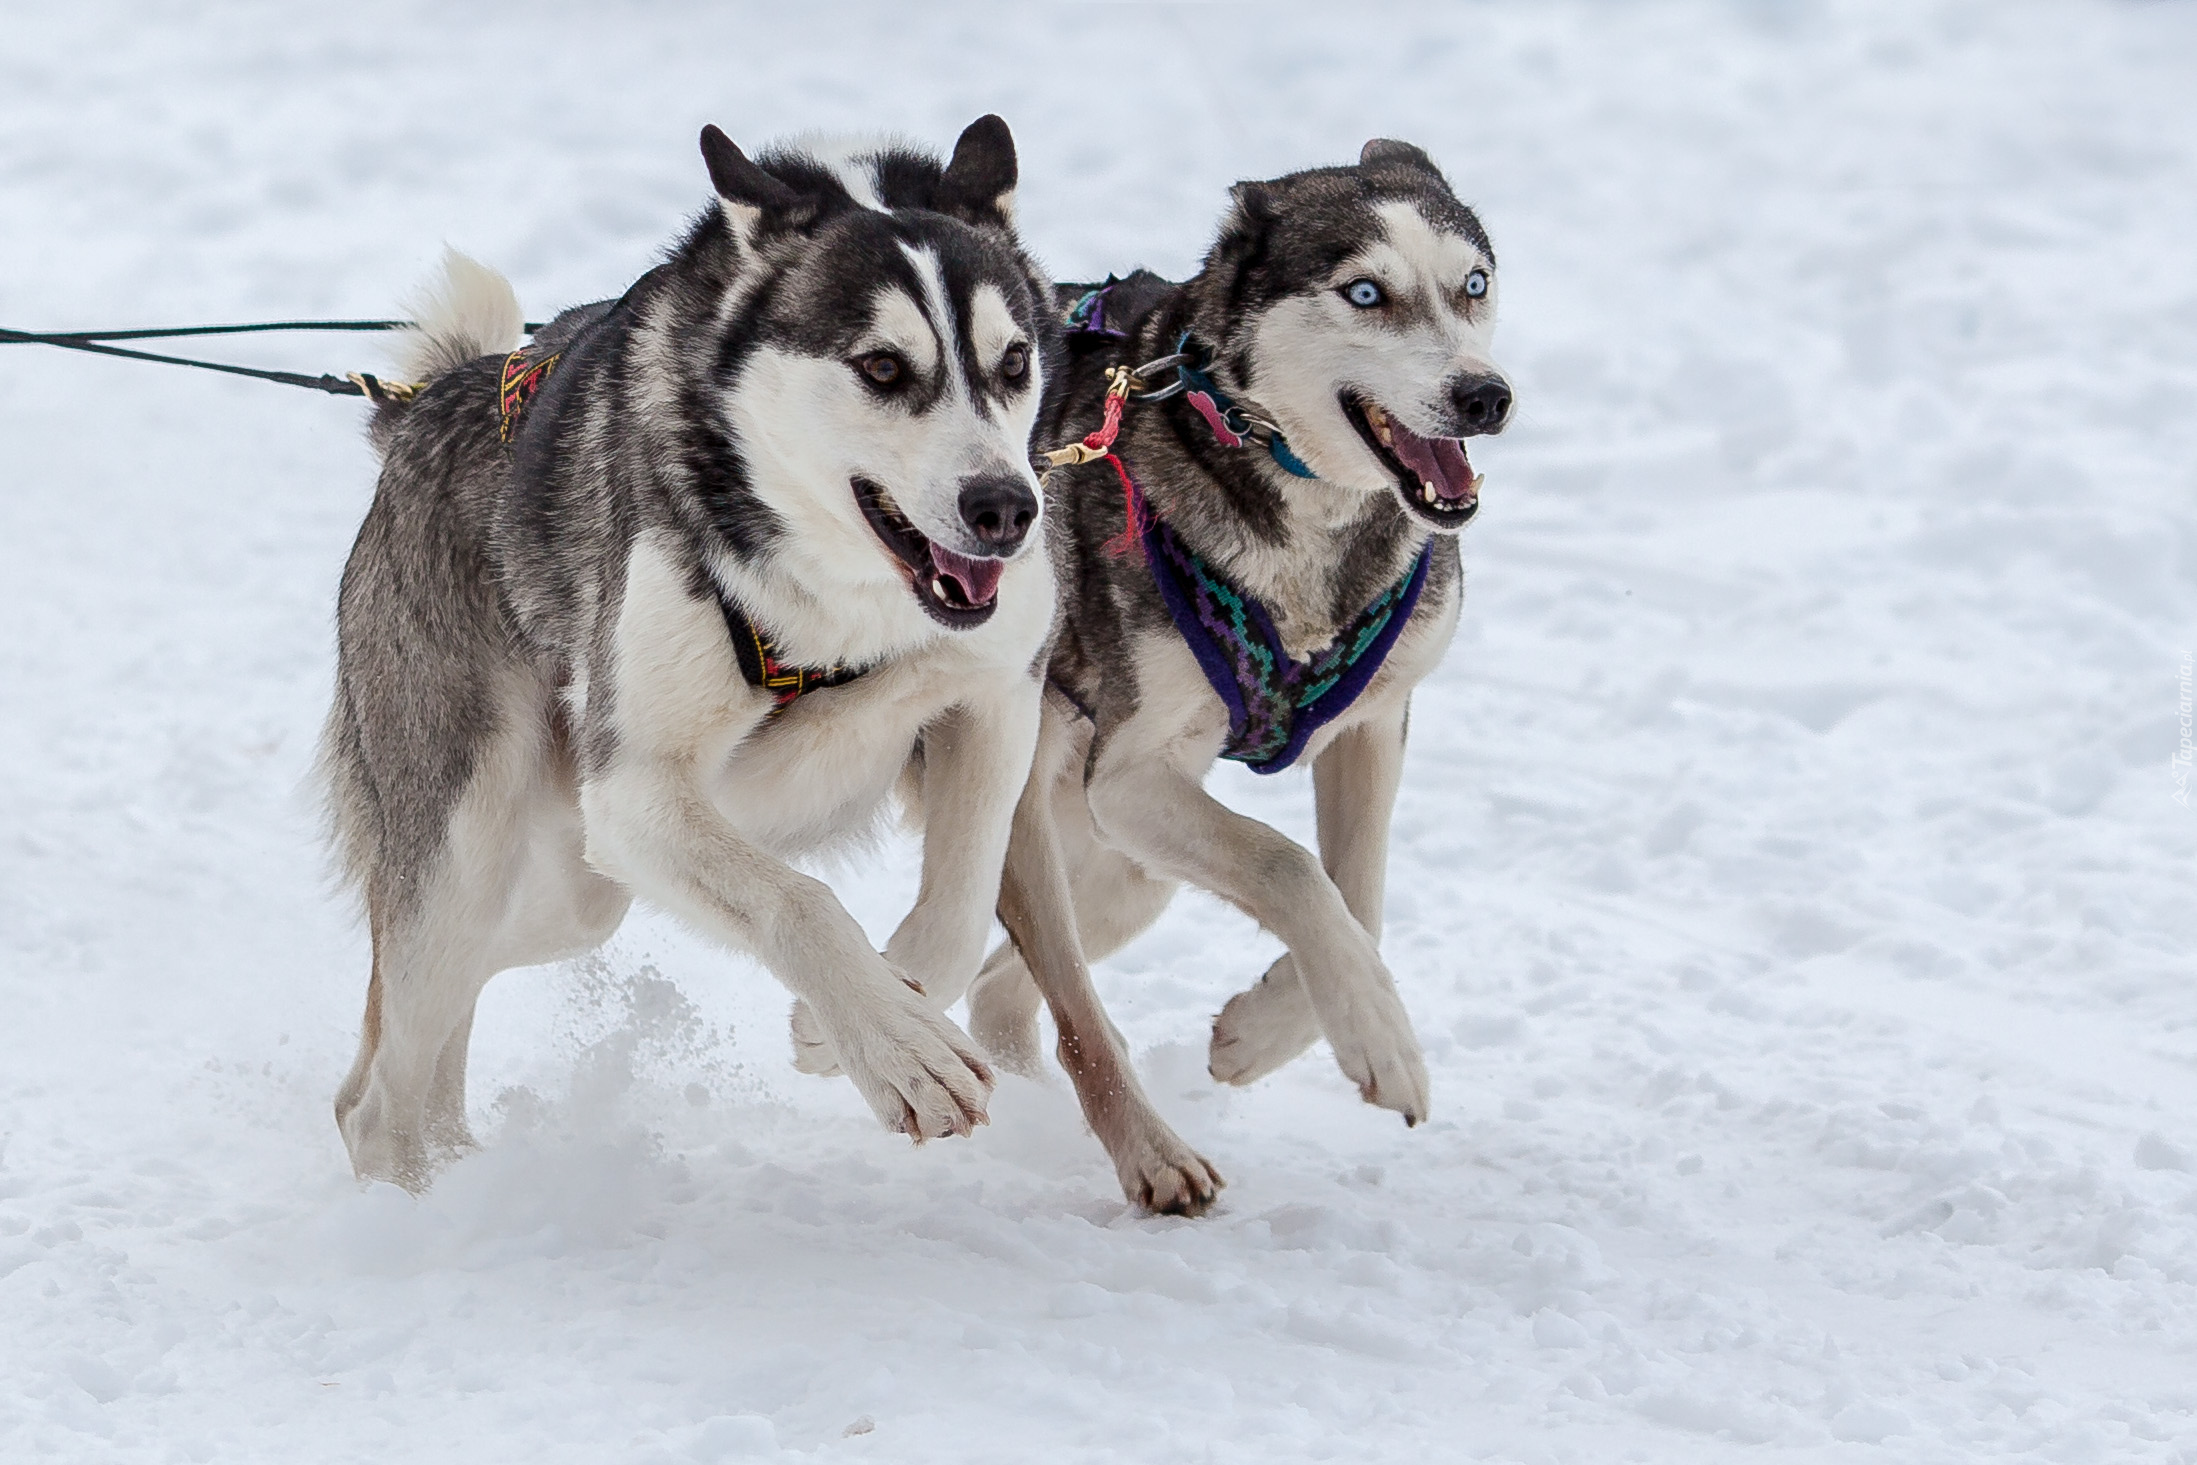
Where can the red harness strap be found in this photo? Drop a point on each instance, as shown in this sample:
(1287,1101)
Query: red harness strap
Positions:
(1100,444)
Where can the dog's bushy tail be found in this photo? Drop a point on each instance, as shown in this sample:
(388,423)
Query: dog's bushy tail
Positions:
(467,310)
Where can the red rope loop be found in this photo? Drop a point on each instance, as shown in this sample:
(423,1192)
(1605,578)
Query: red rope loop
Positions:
(1109,428)
(1132,509)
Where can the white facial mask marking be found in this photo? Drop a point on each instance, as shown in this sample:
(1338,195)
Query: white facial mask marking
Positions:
(809,426)
(1308,348)
(991,323)
(897,324)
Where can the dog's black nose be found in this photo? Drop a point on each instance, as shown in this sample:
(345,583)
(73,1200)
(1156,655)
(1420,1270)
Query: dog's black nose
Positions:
(1483,404)
(999,510)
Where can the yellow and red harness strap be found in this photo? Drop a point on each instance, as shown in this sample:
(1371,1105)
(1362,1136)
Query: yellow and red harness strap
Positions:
(522,378)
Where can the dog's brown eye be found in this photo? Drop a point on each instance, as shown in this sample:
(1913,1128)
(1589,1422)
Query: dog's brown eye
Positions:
(881,367)
(1015,365)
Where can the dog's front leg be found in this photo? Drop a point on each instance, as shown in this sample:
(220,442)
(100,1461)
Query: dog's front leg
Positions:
(976,759)
(651,825)
(1157,1170)
(1354,785)
(1151,810)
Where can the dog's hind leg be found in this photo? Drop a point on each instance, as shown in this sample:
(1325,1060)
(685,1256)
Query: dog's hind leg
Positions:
(1354,785)
(446,1128)
(1156,1168)
(419,998)
(508,888)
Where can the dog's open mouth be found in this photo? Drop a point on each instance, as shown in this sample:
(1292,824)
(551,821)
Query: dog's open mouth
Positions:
(1433,475)
(957,590)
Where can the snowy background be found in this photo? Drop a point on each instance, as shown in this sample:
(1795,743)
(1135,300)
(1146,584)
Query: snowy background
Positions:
(1790,882)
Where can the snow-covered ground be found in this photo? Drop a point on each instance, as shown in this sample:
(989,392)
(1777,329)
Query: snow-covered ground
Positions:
(1793,885)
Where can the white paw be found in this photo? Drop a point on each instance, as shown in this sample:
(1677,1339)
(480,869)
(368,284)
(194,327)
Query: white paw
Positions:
(1161,1173)
(385,1148)
(920,1073)
(1262,1027)
(1376,1048)
(812,1051)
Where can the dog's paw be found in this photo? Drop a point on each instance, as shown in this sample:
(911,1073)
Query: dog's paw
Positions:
(1377,1050)
(1262,1027)
(1162,1174)
(812,1051)
(1010,1040)
(1003,1020)
(920,1073)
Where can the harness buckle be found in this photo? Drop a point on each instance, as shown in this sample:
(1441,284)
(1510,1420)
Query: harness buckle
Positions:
(374,389)
(1074,454)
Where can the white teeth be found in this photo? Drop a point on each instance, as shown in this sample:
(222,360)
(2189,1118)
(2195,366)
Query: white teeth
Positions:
(938,587)
(1477,480)
(1427,492)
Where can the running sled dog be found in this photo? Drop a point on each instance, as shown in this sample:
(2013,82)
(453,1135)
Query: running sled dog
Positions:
(1263,571)
(679,592)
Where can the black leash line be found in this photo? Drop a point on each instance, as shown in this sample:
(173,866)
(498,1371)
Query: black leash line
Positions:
(354,384)
(49,337)
(335,385)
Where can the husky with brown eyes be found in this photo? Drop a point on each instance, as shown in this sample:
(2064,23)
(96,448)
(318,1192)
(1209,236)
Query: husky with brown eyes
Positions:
(1263,573)
(680,591)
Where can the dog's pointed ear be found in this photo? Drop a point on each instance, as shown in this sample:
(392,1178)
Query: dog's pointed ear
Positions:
(1241,244)
(752,199)
(979,182)
(1251,209)
(1388,152)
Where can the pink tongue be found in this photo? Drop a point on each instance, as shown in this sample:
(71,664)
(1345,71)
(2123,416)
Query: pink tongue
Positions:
(979,579)
(1440,461)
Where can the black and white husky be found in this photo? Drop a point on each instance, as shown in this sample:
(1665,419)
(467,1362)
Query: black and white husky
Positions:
(675,594)
(1263,572)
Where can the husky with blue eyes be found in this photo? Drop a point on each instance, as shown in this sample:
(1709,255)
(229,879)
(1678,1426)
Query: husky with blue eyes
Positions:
(679,592)
(1261,569)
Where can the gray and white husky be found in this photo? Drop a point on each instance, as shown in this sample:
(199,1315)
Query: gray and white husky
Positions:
(1264,572)
(676,594)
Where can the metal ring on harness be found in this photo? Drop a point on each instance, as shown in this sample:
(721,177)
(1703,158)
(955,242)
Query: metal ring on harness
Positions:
(1174,388)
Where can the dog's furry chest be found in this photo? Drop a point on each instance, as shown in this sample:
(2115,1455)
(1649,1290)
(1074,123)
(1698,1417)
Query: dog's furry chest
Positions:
(818,776)
(815,773)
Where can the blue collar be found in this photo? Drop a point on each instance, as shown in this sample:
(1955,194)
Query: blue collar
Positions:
(1233,426)
(1230,423)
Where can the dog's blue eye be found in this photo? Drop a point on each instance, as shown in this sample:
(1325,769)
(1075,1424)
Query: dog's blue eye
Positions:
(882,368)
(1476,284)
(1364,294)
